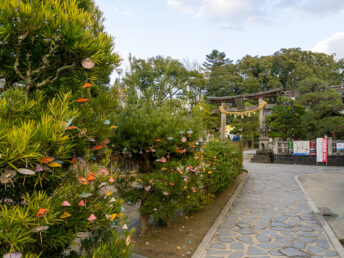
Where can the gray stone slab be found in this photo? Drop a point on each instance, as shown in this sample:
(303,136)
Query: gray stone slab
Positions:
(255,251)
(246,239)
(218,246)
(237,246)
(270,246)
(237,255)
(263,238)
(291,252)
(322,243)
(331,253)
(299,245)
(315,250)
(226,239)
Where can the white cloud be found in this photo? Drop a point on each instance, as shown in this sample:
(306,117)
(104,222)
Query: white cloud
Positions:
(239,11)
(332,45)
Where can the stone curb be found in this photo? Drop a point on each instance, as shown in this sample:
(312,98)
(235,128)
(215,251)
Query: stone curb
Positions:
(331,235)
(212,231)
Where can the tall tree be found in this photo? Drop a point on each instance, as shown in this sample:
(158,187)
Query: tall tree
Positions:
(216,58)
(42,43)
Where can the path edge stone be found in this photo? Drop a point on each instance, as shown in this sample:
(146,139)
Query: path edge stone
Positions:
(329,232)
(212,231)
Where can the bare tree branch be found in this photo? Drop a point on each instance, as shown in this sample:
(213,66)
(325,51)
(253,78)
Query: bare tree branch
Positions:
(16,63)
(54,78)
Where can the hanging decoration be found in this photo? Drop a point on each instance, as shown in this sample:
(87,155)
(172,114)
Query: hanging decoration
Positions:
(243,113)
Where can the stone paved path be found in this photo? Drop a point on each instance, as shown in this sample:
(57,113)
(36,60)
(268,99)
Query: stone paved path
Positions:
(271,218)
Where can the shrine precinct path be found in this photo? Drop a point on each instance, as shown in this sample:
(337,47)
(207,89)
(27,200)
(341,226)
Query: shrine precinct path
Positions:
(271,218)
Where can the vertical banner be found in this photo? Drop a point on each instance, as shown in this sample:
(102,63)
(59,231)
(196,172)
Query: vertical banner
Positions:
(312,147)
(319,150)
(290,147)
(301,148)
(324,149)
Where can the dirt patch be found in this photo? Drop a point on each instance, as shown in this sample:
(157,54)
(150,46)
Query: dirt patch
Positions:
(187,231)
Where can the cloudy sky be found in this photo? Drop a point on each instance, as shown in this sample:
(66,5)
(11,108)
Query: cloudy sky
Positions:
(191,29)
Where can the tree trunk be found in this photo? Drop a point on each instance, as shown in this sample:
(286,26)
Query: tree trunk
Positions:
(168,222)
(143,223)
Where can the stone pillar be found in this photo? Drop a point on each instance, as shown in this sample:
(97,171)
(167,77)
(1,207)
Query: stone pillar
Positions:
(329,146)
(223,122)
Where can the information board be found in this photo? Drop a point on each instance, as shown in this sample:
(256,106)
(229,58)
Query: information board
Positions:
(321,149)
(340,146)
(301,148)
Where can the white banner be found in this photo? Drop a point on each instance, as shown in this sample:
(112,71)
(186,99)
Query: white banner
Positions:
(319,149)
(301,148)
(340,146)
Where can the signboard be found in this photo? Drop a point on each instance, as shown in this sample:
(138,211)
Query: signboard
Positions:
(312,147)
(321,149)
(340,146)
(301,148)
(290,147)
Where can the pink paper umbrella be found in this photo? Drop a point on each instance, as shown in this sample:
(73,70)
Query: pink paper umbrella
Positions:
(82,203)
(92,218)
(66,204)
(111,180)
(38,168)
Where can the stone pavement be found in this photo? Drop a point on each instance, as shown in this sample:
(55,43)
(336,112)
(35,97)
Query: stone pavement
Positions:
(271,218)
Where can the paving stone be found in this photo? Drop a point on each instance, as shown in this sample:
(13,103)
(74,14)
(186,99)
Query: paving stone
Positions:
(279,224)
(331,253)
(245,239)
(270,246)
(322,243)
(237,246)
(305,229)
(246,231)
(305,239)
(263,239)
(243,225)
(299,244)
(315,250)
(215,252)
(284,240)
(237,255)
(226,239)
(218,246)
(291,252)
(255,251)
(281,218)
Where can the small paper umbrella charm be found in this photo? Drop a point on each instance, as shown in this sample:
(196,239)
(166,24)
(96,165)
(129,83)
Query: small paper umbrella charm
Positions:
(85,195)
(92,218)
(86,85)
(46,160)
(106,122)
(83,180)
(183,139)
(70,128)
(98,147)
(125,227)
(91,176)
(111,180)
(42,212)
(65,215)
(13,255)
(107,193)
(102,184)
(26,171)
(54,165)
(38,168)
(87,63)
(163,160)
(165,193)
(40,229)
(82,203)
(112,199)
(81,100)
(114,127)
(112,216)
(66,204)
(103,171)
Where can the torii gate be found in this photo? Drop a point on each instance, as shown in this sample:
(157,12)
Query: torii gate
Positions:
(240,109)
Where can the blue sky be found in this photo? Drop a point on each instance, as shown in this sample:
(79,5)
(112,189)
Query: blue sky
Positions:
(191,29)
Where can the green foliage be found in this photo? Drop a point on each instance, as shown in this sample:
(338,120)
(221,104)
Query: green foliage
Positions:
(188,183)
(246,127)
(42,43)
(285,120)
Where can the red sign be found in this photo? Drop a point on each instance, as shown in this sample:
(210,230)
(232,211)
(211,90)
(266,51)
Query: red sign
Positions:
(324,149)
(312,147)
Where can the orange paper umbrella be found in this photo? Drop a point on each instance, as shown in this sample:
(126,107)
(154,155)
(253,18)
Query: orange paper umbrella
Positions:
(42,212)
(82,180)
(81,100)
(72,127)
(86,85)
(97,147)
(46,160)
(82,203)
(54,165)
(73,160)
(91,176)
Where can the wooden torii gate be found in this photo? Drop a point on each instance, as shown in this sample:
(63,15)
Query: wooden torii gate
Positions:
(241,109)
